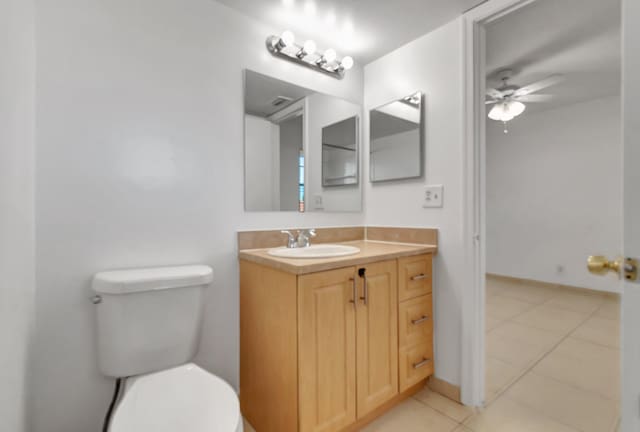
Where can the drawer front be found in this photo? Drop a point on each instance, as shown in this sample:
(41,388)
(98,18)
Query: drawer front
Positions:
(416,364)
(415,321)
(414,276)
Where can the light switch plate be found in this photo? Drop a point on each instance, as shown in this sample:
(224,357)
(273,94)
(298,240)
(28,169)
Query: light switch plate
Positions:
(433,196)
(317,202)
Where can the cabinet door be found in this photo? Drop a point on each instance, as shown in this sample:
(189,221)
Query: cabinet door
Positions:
(377,339)
(327,355)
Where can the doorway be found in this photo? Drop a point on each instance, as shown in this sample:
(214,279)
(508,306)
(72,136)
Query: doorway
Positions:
(549,324)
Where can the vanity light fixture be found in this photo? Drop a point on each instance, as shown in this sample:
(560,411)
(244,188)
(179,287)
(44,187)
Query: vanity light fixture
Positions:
(284,46)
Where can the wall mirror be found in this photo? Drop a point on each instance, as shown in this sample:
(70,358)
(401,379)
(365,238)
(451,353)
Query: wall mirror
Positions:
(396,139)
(301,148)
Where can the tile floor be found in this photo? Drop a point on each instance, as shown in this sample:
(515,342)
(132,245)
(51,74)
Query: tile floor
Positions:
(552,366)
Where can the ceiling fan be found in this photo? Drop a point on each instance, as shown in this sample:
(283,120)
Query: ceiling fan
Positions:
(509,100)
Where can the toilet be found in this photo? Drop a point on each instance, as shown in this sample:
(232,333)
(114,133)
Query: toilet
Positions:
(148,329)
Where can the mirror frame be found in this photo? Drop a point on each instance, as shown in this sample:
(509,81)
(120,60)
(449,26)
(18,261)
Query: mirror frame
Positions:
(422,143)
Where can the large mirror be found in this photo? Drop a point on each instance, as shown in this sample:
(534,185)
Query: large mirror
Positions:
(301,148)
(396,135)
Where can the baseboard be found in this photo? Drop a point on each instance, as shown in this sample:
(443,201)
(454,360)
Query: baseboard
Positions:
(554,285)
(445,388)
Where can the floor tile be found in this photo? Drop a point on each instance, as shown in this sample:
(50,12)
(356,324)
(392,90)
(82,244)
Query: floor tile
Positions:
(502,308)
(462,428)
(587,366)
(563,403)
(499,375)
(505,415)
(547,317)
(532,292)
(412,416)
(520,345)
(599,330)
(491,323)
(444,405)
(610,309)
(248,427)
(576,301)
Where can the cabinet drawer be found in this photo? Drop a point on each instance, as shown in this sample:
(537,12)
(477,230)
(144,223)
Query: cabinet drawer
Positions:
(416,364)
(415,321)
(414,276)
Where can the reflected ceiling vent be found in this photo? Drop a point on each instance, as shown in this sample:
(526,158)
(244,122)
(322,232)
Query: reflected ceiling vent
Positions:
(281,100)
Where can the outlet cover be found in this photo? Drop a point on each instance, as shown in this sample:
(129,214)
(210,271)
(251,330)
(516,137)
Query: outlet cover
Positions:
(433,196)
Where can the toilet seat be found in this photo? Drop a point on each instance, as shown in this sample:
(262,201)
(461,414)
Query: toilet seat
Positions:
(182,399)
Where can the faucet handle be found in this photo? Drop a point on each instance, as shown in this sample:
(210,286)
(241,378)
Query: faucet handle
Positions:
(291,241)
(311,232)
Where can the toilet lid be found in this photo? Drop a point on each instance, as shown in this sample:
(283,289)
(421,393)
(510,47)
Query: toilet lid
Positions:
(185,398)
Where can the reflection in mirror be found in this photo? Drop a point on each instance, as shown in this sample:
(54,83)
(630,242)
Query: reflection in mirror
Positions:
(285,126)
(396,139)
(340,153)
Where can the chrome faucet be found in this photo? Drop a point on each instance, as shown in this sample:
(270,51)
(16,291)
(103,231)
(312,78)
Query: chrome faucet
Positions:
(303,239)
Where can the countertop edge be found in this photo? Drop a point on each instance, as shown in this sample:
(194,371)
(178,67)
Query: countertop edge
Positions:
(253,255)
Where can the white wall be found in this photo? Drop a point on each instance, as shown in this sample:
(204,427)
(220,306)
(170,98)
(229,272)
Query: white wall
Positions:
(324,111)
(554,195)
(433,64)
(262,164)
(17,80)
(140,163)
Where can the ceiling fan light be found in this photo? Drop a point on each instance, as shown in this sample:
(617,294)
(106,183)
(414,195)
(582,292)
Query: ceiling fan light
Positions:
(516,108)
(506,111)
(497,112)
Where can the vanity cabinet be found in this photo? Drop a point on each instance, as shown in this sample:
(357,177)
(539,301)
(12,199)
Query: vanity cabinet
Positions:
(358,340)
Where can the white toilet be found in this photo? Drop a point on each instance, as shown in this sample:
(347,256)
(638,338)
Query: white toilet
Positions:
(148,330)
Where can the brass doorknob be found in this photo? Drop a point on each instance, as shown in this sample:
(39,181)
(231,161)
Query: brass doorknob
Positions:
(600,265)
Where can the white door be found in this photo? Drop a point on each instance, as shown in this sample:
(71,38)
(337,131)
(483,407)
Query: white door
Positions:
(631,296)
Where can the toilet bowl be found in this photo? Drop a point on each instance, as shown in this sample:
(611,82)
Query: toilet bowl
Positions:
(182,399)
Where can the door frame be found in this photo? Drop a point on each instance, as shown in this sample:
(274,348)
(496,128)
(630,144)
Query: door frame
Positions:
(474,195)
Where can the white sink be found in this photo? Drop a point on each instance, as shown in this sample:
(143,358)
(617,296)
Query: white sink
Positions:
(315,251)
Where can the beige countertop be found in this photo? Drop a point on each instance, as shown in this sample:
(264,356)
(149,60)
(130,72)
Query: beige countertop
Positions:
(370,251)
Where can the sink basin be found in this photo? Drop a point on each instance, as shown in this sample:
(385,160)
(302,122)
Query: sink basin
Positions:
(315,251)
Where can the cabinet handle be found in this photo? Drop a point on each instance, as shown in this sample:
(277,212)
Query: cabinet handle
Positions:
(419,277)
(420,320)
(365,290)
(421,363)
(354,291)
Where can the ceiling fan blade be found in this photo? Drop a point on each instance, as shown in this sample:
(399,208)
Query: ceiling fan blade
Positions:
(491,102)
(534,98)
(539,85)
(495,94)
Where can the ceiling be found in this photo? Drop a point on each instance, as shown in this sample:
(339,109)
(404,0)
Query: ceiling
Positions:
(363,29)
(579,39)
(261,91)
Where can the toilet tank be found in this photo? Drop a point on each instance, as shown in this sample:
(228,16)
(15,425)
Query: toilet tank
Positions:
(148,319)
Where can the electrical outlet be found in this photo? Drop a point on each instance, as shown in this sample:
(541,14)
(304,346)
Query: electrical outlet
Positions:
(433,195)
(317,202)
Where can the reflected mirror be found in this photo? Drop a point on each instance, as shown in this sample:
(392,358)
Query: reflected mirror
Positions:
(397,139)
(340,153)
(288,167)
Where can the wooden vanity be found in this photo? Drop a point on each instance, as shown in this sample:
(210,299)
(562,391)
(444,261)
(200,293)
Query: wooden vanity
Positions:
(330,344)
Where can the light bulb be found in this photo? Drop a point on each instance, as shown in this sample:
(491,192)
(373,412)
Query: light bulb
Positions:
(309,47)
(329,55)
(287,38)
(347,62)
